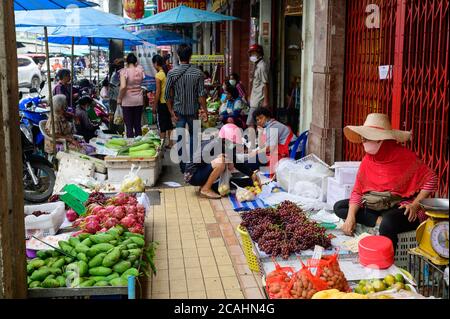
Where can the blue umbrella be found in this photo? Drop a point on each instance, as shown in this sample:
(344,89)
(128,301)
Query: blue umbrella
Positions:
(20,5)
(67,18)
(184,15)
(94,36)
(163,37)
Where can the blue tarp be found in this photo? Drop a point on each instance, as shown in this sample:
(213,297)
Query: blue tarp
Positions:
(99,37)
(20,5)
(163,37)
(183,14)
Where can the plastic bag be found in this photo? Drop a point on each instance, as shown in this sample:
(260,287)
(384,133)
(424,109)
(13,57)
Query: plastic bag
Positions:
(279,282)
(132,183)
(243,195)
(224,182)
(118,115)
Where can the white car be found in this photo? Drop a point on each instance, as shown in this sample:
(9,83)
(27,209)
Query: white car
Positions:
(28,72)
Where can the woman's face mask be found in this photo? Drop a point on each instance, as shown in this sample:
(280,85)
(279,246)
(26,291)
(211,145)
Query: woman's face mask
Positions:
(254,58)
(372,147)
(233,82)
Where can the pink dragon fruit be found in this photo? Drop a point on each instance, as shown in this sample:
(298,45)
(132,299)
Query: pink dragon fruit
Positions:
(110,222)
(92,226)
(71,215)
(137,229)
(128,221)
(118,212)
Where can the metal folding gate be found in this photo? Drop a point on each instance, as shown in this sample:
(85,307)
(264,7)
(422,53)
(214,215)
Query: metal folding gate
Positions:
(412,41)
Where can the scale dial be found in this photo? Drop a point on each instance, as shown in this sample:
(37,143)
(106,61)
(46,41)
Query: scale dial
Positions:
(439,239)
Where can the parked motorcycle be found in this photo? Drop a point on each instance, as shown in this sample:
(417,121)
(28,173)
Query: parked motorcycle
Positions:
(33,109)
(38,175)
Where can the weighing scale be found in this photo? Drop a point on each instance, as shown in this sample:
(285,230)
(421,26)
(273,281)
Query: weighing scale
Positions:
(432,234)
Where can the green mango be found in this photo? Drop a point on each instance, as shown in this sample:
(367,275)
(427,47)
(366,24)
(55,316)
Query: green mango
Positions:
(138,241)
(74,241)
(130,234)
(112,276)
(97,260)
(29,269)
(122,266)
(135,252)
(42,254)
(68,260)
(55,271)
(84,268)
(112,258)
(119,282)
(98,248)
(34,284)
(124,254)
(61,280)
(100,271)
(98,278)
(130,272)
(87,242)
(83,236)
(101,238)
(82,256)
(81,248)
(59,263)
(40,274)
(56,253)
(36,263)
(132,246)
(50,283)
(65,246)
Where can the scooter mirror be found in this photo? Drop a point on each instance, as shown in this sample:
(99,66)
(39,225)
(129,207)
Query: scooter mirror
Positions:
(33,90)
(20,95)
(41,86)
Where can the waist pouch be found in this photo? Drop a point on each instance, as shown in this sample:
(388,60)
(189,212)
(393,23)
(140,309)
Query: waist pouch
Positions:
(381,200)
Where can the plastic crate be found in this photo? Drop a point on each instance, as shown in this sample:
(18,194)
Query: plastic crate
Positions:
(252,259)
(428,276)
(406,241)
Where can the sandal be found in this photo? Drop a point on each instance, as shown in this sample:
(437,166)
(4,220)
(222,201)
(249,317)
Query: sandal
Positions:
(210,195)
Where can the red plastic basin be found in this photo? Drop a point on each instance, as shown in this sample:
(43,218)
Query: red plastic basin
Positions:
(376,252)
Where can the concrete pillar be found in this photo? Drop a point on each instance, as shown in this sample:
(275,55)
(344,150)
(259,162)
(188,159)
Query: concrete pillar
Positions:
(116,49)
(306,91)
(325,139)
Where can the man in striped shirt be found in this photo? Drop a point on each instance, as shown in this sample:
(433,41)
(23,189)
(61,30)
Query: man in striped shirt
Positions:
(185,91)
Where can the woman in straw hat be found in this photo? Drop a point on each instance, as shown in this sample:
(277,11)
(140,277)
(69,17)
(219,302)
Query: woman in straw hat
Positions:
(390,182)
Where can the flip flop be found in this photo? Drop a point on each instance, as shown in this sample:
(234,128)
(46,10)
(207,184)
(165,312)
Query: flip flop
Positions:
(210,195)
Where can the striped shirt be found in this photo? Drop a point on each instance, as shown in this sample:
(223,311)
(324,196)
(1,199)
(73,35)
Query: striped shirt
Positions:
(188,85)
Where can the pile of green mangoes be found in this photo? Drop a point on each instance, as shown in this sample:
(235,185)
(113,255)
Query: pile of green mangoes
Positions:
(396,281)
(103,259)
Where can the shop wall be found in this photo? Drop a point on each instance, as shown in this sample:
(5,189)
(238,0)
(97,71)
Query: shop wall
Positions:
(240,41)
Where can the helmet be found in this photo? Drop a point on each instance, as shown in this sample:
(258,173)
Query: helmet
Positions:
(256,48)
(232,133)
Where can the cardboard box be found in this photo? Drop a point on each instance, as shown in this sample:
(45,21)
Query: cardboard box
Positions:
(337,191)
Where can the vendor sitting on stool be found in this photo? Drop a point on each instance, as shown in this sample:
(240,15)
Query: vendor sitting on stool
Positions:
(83,124)
(395,171)
(274,142)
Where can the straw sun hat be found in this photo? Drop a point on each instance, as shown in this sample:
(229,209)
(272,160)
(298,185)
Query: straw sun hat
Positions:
(377,127)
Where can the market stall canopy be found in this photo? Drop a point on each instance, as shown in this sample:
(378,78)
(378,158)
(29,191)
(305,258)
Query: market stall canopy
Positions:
(163,37)
(24,5)
(99,37)
(68,18)
(184,15)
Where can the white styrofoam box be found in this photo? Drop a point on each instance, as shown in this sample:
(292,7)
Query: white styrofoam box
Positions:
(345,172)
(119,167)
(48,224)
(337,192)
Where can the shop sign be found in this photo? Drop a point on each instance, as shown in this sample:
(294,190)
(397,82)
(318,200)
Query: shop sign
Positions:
(218,4)
(208,59)
(164,5)
(294,8)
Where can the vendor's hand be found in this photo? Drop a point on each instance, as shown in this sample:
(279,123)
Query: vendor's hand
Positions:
(349,226)
(410,211)
(203,115)
(174,117)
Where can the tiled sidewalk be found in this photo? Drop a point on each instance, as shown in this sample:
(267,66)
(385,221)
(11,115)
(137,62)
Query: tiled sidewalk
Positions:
(199,253)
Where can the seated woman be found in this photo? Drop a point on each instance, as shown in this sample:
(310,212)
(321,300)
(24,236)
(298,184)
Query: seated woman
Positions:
(63,128)
(231,110)
(387,167)
(83,124)
(274,143)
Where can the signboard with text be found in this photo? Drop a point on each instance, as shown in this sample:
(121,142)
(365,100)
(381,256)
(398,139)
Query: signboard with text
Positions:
(208,59)
(164,5)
